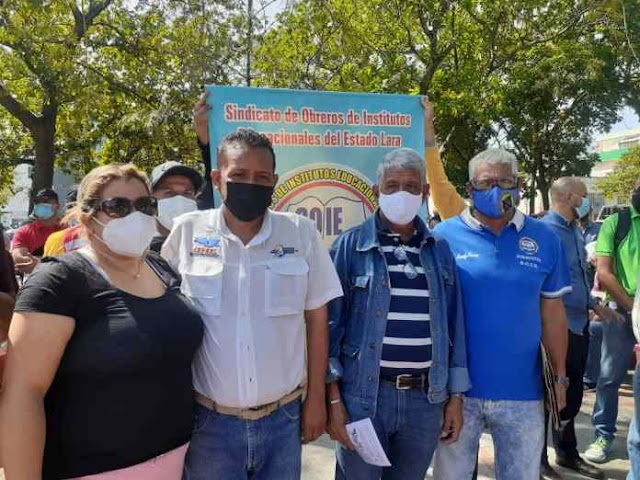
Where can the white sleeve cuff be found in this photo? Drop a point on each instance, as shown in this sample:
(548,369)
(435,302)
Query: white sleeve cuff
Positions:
(558,293)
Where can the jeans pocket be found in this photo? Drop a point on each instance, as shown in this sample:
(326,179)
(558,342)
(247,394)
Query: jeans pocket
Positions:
(292,410)
(200,418)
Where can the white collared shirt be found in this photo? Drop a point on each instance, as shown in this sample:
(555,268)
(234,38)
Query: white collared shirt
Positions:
(252,300)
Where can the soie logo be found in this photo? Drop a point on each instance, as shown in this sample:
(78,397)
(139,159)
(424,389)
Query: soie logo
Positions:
(528,245)
(335,197)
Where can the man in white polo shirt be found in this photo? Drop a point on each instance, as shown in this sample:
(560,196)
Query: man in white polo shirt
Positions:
(261,281)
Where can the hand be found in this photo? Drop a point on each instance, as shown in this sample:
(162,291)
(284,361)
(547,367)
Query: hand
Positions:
(314,418)
(428,108)
(453,421)
(429,130)
(561,395)
(606,314)
(28,264)
(200,121)
(337,425)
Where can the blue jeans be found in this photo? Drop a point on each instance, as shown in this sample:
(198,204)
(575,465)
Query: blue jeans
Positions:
(592,372)
(408,427)
(617,348)
(229,448)
(633,442)
(517,428)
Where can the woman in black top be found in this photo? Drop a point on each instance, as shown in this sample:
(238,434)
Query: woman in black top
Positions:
(98,375)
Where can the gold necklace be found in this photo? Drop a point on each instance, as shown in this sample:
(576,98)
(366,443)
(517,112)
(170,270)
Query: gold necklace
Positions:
(108,261)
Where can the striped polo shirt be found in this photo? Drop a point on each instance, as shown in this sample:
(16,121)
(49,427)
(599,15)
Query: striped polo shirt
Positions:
(406,347)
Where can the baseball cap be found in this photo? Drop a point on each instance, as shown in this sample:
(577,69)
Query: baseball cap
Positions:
(46,195)
(168,169)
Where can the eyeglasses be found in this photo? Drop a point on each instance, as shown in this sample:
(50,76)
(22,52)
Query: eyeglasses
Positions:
(401,255)
(120,207)
(488,184)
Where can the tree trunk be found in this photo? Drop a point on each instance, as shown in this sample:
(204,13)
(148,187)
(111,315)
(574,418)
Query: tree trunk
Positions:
(532,198)
(44,139)
(544,190)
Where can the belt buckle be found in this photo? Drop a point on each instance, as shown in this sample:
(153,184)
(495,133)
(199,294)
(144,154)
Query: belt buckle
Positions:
(399,378)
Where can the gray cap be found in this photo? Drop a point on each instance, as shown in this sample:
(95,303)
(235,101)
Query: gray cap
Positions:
(168,169)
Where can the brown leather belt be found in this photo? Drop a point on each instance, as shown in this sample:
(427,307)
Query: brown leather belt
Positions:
(254,413)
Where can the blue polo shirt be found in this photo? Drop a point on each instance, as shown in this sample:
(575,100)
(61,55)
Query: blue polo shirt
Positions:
(503,278)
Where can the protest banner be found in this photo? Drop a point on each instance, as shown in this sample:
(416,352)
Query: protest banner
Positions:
(328,145)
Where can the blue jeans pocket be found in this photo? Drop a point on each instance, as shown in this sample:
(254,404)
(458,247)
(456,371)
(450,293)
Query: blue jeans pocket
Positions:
(292,410)
(200,418)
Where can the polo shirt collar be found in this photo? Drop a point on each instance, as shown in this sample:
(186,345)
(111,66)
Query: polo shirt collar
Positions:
(555,217)
(472,222)
(218,226)
(634,212)
(372,226)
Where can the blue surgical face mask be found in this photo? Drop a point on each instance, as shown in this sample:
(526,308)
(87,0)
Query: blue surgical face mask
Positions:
(44,211)
(583,209)
(495,202)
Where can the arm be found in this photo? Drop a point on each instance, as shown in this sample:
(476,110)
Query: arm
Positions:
(555,337)
(23,260)
(611,285)
(200,123)
(314,415)
(458,379)
(7,302)
(338,315)
(446,199)
(36,344)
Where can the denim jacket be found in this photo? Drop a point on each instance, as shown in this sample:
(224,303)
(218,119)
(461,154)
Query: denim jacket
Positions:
(358,321)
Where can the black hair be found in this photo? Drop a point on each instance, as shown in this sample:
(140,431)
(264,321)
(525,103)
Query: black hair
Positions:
(249,138)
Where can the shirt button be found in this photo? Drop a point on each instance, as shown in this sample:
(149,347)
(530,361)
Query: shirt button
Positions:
(384,283)
(378,312)
(370,378)
(372,346)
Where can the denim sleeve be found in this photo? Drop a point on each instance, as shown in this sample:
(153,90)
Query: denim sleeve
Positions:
(458,379)
(339,307)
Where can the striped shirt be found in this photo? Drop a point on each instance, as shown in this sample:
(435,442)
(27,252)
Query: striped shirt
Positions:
(406,348)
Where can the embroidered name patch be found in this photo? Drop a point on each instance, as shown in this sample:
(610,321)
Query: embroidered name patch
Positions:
(206,247)
(281,251)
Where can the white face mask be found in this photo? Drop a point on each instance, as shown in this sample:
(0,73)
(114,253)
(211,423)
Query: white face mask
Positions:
(130,235)
(401,207)
(170,208)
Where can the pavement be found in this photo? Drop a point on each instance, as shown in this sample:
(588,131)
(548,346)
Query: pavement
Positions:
(318,460)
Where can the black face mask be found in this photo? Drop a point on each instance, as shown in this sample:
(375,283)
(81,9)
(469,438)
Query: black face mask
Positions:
(248,201)
(635,199)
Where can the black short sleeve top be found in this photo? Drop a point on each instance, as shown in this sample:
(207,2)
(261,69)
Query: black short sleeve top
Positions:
(122,393)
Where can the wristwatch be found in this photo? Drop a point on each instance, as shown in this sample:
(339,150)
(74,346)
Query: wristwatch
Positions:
(562,380)
(457,395)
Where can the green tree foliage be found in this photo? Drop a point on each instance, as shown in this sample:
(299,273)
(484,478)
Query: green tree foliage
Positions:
(100,81)
(535,76)
(624,177)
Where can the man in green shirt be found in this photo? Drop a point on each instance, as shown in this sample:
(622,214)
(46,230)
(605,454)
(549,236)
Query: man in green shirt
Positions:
(618,269)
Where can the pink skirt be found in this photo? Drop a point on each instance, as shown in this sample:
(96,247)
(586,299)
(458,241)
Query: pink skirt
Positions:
(167,466)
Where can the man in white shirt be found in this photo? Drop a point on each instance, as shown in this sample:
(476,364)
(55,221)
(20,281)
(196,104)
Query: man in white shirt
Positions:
(261,281)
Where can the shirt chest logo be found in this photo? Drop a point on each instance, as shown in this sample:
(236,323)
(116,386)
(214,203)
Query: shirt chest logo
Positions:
(528,246)
(206,247)
(281,251)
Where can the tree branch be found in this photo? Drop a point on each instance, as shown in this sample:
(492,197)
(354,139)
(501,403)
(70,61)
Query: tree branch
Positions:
(15,108)
(84,21)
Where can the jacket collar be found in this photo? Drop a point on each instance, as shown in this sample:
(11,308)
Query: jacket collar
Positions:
(372,227)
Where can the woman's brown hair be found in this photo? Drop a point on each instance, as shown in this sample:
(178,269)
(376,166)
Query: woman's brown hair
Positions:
(94,183)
